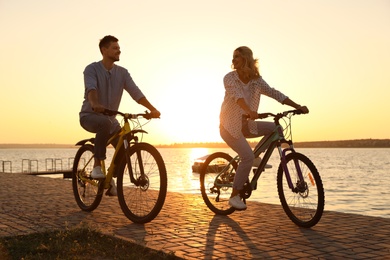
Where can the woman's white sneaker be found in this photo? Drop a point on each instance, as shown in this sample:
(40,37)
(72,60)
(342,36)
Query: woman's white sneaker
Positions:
(237,203)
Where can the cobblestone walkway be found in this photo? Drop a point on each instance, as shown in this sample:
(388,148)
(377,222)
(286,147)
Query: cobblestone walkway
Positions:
(188,228)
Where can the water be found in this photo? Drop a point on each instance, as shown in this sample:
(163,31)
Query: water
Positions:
(355,180)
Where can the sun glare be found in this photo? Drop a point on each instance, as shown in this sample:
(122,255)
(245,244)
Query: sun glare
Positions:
(197,153)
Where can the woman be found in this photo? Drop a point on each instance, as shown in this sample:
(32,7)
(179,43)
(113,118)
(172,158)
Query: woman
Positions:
(243,88)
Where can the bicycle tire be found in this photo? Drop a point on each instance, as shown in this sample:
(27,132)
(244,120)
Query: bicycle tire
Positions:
(217,198)
(88,194)
(305,205)
(142,202)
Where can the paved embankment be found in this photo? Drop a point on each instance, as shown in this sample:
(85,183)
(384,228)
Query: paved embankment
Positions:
(188,228)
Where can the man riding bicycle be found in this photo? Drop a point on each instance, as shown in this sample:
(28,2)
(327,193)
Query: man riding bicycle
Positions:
(104,83)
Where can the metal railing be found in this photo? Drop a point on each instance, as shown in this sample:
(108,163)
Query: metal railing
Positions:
(52,166)
(3,165)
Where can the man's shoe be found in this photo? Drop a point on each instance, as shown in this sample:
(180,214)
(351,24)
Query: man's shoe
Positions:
(237,203)
(97,173)
(112,190)
(256,163)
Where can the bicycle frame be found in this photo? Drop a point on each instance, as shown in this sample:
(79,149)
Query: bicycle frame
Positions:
(276,139)
(268,144)
(125,135)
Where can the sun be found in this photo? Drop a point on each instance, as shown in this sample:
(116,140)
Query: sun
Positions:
(194,115)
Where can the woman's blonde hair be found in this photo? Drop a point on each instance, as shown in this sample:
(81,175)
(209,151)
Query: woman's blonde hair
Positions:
(251,68)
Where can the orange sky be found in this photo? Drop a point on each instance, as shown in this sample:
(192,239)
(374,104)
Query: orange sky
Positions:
(332,56)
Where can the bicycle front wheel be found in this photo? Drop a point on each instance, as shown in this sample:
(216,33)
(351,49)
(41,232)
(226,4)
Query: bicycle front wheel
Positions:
(142,186)
(216,182)
(85,189)
(304,203)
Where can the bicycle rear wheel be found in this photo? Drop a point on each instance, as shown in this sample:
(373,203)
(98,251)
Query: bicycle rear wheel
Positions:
(216,191)
(142,199)
(85,189)
(304,204)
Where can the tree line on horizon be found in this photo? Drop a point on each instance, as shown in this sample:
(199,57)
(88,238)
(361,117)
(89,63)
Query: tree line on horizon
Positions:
(360,143)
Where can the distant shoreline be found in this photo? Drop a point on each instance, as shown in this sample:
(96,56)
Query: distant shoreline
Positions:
(359,143)
(34,146)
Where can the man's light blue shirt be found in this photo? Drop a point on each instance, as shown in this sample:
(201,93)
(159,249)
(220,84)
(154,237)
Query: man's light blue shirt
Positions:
(109,86)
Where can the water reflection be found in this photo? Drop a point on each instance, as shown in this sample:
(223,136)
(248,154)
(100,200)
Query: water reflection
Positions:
(355,180)
(196,153)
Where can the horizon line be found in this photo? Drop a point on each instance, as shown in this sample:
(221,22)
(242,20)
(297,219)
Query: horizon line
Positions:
(197,143)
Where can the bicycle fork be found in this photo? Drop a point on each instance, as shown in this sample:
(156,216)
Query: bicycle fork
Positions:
(142,180)
(283,154)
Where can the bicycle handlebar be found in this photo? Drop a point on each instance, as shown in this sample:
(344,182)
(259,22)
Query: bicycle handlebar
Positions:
(145,115)
(280,115)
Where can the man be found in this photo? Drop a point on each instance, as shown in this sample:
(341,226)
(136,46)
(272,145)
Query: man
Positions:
(104,83)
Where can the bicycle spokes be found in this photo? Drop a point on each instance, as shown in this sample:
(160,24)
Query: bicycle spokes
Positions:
(86,190)
(216,179)
(142,183)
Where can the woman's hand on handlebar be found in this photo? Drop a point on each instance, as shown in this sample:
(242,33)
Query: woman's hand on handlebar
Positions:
(304,109)
(253,115)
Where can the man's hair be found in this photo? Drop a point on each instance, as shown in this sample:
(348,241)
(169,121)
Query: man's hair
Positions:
(106,41)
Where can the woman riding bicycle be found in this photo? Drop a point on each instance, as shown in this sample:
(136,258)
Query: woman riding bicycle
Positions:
(243,88)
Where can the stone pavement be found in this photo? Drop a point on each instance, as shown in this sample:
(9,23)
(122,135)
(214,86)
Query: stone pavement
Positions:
(188,228)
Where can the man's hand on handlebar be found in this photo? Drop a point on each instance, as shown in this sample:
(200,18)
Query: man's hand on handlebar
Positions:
(98,108)
(155,113)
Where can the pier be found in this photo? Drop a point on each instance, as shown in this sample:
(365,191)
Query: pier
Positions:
(53,166)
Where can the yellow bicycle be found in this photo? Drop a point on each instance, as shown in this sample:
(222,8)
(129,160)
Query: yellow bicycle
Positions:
(138,166)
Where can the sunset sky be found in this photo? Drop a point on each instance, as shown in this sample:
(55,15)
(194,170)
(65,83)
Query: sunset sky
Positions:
(331,55)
